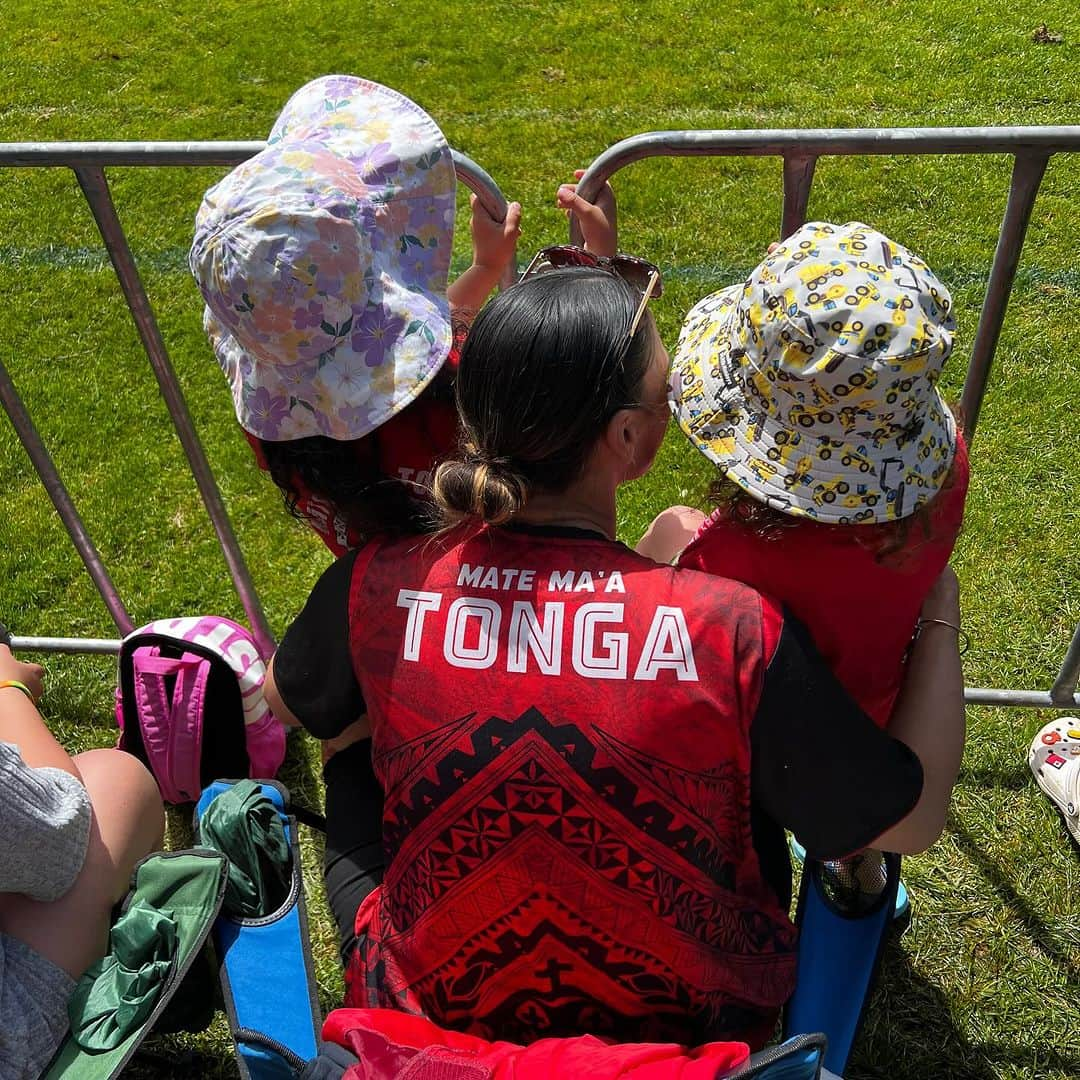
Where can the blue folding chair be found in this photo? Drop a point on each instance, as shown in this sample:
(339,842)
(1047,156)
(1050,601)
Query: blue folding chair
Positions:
(838,960)
(272,1003)
(267,972)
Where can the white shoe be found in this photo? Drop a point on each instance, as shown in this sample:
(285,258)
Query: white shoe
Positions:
(1054,758)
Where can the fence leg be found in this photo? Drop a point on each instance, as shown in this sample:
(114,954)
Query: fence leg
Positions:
(798,176)
(46,469)
(1027,175)
(1063,692)
(96,189)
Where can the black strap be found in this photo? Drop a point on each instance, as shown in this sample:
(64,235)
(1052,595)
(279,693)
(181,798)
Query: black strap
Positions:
(311,818)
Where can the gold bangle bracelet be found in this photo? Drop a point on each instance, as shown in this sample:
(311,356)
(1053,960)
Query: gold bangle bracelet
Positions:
(962,639)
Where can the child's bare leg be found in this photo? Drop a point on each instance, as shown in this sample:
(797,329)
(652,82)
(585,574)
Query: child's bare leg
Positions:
(128,823)
(671,530)
(357,730)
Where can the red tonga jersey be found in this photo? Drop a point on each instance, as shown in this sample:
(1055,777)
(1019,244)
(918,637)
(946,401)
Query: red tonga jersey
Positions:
(562,731)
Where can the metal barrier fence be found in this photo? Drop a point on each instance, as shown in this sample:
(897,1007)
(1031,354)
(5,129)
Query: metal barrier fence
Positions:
(1030,147)
(88,161)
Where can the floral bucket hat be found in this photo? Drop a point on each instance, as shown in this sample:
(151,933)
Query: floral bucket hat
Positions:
(813,385)
(323,262)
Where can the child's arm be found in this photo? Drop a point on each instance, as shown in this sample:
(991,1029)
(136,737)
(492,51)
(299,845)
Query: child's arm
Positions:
(598,221)
(494,245)
(21,723)
(929,718)
(669,532)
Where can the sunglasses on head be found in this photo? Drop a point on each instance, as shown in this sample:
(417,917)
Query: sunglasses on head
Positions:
(640,274)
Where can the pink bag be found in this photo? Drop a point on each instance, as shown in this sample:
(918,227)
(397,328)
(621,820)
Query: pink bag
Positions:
(190,705)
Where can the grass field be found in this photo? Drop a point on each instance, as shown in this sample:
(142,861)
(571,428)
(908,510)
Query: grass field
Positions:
(985,983)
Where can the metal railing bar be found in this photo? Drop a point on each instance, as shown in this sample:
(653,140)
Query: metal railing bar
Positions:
(144,154)
(800,149)
(818,142)
(739,142)
(1064,688)
(88,161)
(1019,699)
(1028,170)
(103,646)
(61,500)
(96,189)
(798,178)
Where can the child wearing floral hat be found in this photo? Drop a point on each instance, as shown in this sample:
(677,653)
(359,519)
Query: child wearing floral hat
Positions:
(323,261)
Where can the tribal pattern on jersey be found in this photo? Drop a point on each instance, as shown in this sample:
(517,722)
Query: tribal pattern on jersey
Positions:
(560,860)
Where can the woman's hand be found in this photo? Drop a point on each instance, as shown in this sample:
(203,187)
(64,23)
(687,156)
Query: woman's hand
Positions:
(20,722)
(598,221)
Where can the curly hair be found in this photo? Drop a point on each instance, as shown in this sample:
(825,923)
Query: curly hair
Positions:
(888,541)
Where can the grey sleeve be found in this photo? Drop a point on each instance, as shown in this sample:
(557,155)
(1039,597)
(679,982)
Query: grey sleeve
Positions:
(44,827)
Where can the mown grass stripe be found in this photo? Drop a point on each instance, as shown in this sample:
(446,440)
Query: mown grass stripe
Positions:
(174,261)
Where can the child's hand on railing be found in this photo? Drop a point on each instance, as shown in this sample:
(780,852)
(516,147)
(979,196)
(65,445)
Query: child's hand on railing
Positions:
(598,221)
(494,246)
(494,242)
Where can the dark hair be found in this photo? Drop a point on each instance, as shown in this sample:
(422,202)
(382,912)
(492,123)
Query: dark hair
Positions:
(348,475)
(890,542)
(546,365)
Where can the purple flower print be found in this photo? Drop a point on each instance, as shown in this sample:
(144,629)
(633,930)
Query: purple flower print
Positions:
(306,318)
(338,89)
(377,331)
(267,411)
(354,418)
(378,164)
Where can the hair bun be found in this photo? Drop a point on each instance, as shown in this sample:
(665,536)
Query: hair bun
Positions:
(476,488)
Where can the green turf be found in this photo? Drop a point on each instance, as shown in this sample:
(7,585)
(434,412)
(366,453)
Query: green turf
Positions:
(986,981)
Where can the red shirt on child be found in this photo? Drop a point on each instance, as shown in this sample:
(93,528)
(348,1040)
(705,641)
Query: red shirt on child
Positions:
(861,609)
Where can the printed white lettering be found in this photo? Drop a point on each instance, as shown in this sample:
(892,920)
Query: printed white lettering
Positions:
(667,646)
(561,581)
(525,582)
(615,582)
(419,604)
(483,653)
(600,646)
(543,640)
(216,638)
(491,579)
(469,575)
(610,663)
(584,582)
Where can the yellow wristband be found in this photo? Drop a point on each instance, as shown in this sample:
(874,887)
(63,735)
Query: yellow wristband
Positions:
(15,684)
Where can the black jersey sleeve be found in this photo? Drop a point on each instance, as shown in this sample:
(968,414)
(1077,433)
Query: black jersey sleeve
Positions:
(313,667)
(819,765)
